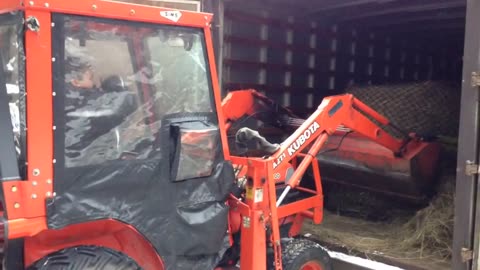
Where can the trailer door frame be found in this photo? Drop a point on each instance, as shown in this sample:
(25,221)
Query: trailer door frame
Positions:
(465,240)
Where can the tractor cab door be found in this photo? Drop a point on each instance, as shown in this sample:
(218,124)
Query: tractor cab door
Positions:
(137,136)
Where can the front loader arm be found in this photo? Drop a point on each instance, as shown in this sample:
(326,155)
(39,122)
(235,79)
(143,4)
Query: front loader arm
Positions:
(342,110)
(334,111)
(251,103)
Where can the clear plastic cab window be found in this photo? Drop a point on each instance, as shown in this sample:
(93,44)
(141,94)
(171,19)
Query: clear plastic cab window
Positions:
(120,79)
(12,61)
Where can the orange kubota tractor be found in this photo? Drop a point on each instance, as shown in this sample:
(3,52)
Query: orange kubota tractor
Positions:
(114,150)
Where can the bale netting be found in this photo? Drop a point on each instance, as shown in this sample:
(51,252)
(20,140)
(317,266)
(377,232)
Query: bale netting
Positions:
(429,108)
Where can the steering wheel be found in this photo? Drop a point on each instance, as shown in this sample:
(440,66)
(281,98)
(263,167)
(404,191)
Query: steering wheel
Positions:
(114,83)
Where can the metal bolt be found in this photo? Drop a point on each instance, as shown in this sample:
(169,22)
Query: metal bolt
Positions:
(54,161)
(14,189)
(54,127)
(49,181)
(53,59)
(34,183)
(54,194)
(53,24)
(34,196)
(48,194)
(36,172)
(54,94)
(47,5)
(94,7)
(132,12)
(31,3)
(16,205)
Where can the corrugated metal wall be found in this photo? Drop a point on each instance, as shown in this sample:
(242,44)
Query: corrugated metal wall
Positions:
(279,56)
(298,62)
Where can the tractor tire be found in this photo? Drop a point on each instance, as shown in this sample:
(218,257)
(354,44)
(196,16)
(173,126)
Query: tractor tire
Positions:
(303,254)
(86,258)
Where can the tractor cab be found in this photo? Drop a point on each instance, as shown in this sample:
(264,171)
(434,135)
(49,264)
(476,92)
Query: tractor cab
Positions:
(123,134)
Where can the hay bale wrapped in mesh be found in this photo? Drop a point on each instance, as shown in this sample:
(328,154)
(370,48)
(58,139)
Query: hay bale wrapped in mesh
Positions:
(429,108)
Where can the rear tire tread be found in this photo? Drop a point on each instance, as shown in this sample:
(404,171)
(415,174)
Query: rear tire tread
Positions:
(86,258)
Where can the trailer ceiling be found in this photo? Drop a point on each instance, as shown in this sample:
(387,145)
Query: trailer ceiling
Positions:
(425,15)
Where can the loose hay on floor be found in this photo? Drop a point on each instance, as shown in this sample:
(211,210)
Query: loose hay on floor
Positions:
(427,234)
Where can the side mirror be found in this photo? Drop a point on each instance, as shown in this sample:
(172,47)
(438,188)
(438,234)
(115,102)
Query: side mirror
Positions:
(185,41)
(113,83)
(176,42)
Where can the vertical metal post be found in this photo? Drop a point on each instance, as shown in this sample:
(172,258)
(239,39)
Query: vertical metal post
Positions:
(216,7)
(466,183)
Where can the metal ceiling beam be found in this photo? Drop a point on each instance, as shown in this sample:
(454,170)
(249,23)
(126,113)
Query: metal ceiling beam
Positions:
(413,8)
(415,24)
(402,19)
(277,7)
(335,4)
(425,28)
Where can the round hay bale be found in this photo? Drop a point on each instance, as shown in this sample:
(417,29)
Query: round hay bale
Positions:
(429,108)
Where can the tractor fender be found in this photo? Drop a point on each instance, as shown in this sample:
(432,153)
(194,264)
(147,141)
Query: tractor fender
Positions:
(107,233)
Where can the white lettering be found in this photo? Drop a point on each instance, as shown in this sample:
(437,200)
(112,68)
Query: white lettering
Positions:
(303,138)
(171,15)
(278,161)
(307,134)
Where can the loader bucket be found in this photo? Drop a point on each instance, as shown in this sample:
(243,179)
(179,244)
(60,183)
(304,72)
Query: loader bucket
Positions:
(355,162)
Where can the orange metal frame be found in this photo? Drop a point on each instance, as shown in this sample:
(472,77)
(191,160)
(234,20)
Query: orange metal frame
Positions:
(260,210)
(9,5)
(25,200)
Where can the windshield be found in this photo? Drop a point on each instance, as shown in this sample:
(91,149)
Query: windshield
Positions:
(120,80)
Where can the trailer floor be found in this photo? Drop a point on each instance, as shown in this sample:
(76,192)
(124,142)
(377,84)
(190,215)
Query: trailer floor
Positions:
(342,234)
(341,265)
